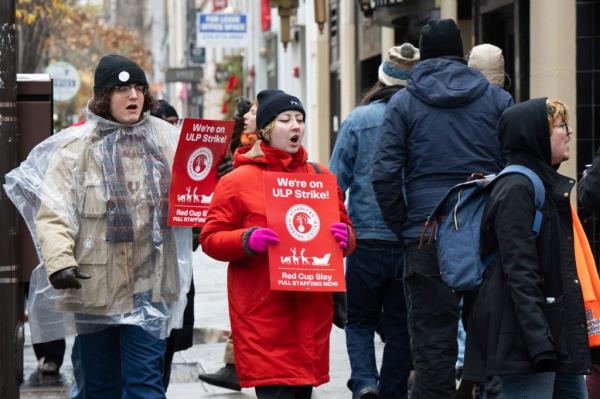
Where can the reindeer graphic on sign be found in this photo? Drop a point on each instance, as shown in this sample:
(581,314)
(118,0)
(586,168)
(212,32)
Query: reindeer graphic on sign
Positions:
(303,260)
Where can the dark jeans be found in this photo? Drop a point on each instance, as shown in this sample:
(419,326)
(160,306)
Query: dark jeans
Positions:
(543,386)
(122,362)
(433,313)
(374,282)
(77,386)
(284,392)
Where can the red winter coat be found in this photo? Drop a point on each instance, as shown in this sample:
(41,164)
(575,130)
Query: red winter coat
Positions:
(280,337)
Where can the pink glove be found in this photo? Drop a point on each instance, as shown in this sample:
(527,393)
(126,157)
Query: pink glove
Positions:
(261,238)
(340,232)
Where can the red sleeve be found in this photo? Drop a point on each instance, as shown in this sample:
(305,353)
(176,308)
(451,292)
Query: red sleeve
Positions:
(221,236)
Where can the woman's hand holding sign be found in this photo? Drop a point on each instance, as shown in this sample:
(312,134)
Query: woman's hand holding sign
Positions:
(261,238)
(340,232)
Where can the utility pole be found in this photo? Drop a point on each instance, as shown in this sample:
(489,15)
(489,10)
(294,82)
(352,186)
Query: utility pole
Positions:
(10,327)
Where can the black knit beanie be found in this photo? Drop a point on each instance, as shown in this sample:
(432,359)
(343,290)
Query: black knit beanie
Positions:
(440,38)
(114,70)
(164,110)
(273,102)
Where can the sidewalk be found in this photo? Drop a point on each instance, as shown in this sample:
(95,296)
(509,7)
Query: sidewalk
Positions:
(211,326)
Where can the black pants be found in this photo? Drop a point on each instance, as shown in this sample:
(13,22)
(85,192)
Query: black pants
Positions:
(52,351)
(433,313)
(169,353)
(180,338)
(284,392)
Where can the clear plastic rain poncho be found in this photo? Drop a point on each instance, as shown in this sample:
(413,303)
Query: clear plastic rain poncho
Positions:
(96,196)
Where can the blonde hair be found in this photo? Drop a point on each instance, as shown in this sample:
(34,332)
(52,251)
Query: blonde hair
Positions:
(265,130)
(556,110)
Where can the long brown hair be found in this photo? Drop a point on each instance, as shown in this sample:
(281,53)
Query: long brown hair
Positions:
(370,92)
(101,105)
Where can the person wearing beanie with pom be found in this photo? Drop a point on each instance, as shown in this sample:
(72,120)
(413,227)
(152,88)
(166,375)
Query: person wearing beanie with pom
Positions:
(436,132)
(101,193)
(374,269)
(281,338)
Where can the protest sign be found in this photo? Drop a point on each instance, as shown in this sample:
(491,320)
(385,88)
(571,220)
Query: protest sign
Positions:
(201,149)
(301,208)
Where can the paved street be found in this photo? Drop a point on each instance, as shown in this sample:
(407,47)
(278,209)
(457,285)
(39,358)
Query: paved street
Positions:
(211,324)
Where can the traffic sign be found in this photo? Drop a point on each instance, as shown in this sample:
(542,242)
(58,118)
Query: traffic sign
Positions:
(197,55)
(221,30)
(190,74)
(65,80)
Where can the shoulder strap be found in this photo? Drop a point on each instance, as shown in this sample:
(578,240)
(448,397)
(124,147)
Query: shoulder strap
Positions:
(316,167)
(538,188)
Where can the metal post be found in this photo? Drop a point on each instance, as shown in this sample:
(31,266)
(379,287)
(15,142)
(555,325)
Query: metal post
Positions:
(10,327)
(476,15)
(191,37)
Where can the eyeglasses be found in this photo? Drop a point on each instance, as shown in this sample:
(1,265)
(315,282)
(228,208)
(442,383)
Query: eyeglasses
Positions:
(124,90)
(563,126)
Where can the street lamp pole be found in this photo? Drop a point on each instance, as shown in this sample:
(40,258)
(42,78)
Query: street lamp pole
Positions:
(286,8)
(9,308)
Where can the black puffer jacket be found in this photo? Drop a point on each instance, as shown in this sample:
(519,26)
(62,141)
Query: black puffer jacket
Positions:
(528,315)
(588,189)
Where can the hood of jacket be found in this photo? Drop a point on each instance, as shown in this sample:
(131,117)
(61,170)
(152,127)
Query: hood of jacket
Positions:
(523,131)
(488,60)
(446,83)
(264,155)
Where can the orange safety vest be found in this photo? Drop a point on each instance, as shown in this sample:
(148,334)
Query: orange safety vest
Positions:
(588,279)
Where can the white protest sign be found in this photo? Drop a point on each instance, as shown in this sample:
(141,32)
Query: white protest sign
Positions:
(221,30)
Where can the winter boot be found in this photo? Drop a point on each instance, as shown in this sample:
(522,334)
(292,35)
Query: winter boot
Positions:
(226,377)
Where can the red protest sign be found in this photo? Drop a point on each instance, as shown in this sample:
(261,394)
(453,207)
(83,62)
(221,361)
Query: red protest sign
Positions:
(201,149)
(301,208)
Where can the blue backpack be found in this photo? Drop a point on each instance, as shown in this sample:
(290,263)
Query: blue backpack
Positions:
(456,226)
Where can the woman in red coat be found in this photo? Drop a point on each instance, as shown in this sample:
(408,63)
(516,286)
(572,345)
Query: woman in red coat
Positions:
(281,338)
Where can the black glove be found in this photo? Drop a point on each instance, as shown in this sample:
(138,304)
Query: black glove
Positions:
(225,167)
(67,278)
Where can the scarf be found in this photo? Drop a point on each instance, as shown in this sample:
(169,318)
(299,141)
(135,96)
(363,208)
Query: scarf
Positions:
(156,183)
